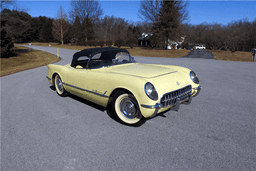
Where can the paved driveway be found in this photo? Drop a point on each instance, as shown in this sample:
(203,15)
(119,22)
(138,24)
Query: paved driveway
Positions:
(42,131)
(200,54)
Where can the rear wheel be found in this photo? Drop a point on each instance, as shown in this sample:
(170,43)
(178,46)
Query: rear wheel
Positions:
(59,86)
(126,108)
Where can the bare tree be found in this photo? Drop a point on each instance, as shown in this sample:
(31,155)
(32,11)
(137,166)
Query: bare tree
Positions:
(85,8)
(107,26)
(150,10)
(88,11)
(6,3)
(235,36)
(111,28)
(119,30)
(60,26)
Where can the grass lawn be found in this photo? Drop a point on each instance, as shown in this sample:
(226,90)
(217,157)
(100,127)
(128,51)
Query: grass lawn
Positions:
(136,51)
(23,59)
(229,56)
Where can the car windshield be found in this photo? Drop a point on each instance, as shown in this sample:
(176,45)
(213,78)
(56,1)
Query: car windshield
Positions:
(105,60)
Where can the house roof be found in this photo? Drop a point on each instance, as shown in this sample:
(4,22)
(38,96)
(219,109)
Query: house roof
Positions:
(145,36)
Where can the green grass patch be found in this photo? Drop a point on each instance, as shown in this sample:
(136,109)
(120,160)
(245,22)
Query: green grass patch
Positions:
(23,59)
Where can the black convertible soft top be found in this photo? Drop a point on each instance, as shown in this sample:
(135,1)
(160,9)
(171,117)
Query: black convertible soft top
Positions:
(107,53)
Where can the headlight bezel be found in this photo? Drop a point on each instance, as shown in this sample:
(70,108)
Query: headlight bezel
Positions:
(194,77)
(153,95)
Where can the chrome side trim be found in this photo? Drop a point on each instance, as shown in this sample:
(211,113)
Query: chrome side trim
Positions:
(103,95)
(74,86)
(48,78)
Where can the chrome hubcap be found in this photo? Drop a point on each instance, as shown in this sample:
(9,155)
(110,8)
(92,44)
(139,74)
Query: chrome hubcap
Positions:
(59,84)
(128,108)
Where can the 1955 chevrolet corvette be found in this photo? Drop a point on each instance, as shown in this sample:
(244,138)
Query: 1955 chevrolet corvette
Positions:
(110,76)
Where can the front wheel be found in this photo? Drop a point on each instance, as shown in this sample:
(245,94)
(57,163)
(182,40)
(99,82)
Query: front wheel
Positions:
(59,86)
(126,108)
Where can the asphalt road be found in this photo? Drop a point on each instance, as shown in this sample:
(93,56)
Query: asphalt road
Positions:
(217,131)
(199,54)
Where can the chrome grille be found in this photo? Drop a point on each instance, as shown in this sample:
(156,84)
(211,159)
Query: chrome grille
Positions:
(169,99)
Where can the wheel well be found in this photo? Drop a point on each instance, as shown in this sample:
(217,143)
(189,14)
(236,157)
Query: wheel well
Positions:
(115,91)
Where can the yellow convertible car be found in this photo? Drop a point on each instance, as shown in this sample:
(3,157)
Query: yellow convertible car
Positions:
(110,76)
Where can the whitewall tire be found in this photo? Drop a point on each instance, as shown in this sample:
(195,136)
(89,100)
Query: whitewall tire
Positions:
(59,86)
(126,108)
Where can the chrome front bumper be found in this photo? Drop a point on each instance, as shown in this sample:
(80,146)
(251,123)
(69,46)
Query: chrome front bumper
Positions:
(176,106)
(198,90)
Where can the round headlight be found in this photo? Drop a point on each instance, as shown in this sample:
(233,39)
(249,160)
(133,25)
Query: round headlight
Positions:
(194,77)
(151,91)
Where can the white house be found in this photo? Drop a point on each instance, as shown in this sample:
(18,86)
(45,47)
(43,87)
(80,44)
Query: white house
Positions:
(145,40)
(174,44)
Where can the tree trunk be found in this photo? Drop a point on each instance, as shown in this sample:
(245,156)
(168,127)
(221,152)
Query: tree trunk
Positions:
(61,33)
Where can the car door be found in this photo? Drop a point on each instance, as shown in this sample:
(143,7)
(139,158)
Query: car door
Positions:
(97,87)
(76,81)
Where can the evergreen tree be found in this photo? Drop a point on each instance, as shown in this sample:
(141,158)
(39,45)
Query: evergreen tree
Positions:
(6,41)
(77,31)
(46,32)
(36,26)
(170,22)
(166,17)
(88,31)
(130,33)
(18,24)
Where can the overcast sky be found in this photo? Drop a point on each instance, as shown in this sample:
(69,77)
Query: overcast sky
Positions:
(215,11)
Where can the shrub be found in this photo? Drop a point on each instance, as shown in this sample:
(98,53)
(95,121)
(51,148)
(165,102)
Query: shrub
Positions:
(83,43)
(119,42)
(90,43)
(80,43)
(131,42)
(101,43)
(94,43)
(109,43)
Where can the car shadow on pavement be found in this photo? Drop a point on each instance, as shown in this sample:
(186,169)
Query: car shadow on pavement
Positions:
(108,109)
(86,102)
(162,114)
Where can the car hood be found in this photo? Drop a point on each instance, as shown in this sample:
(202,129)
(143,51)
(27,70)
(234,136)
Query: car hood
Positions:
(141,70)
